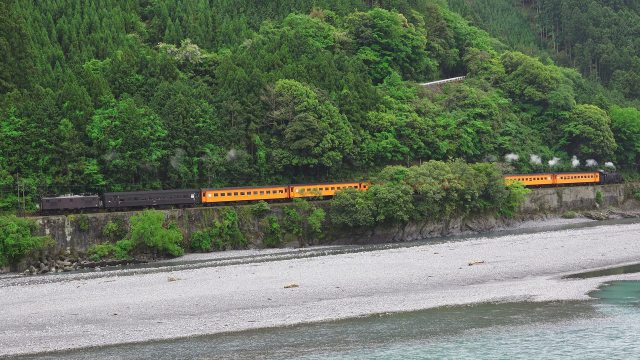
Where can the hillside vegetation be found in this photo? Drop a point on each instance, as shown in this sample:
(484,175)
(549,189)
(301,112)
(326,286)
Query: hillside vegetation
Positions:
(142,94)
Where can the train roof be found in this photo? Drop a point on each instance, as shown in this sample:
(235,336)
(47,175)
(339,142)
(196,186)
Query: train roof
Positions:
(555,173)
(279,186)
(70,197)
(151,191)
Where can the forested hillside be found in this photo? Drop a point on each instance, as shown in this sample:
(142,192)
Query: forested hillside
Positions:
(141,94)
(599,38)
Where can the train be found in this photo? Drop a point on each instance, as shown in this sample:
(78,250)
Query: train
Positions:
(117,201)
(114,201)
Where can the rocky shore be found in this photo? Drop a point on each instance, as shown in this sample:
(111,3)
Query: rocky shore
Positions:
(74,310)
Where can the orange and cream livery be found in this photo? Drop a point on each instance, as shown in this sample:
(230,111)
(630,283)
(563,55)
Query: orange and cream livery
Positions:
(565,179)
(208,197)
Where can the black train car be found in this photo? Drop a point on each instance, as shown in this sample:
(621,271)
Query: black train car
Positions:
(140,199)
(610,178)
(71,202)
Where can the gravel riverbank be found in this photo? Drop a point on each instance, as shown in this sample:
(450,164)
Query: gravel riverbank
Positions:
(277,288)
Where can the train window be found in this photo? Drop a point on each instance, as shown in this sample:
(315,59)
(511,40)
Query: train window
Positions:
(242,193)
(333,188)
(235,194)
(215,195)
(262,192)
(268,192)
(281,191)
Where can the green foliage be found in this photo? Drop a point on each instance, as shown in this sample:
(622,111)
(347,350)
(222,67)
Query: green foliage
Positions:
(207,93)
(260,209)
(224,235)
(98,252)
(121,250)
(148,230)
(587,133)
(83,222)
(625,125)
(570,215)
(599,198)
(201,241)
(114,229)
(517,195)
(433,190)
(17,239)
(273,236)
(303,221)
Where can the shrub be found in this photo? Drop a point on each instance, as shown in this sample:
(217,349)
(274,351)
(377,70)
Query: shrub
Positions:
(303,220)
(599,198)
(570,215)
(517,195)
(226,232)
(147,229)
(114,230)
(202,241)
(121,250)
(83,222)
(273,233)
(17,239)
(260,209)
(352,208)
(99,252)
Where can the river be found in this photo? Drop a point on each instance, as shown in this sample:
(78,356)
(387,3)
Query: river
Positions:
(606,327)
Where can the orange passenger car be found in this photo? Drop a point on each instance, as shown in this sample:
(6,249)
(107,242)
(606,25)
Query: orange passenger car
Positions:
(531,179)
(213,196)
(549,179)
(322,190)
(578,178)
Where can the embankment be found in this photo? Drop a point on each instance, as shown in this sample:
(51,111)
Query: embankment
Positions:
(74,234)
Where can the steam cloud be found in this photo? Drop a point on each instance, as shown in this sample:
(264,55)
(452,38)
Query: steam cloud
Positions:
(592,163)
(575,162)
(535,159)
(177,159)
(232,155)
(555,161)
(511,157)
(609,164)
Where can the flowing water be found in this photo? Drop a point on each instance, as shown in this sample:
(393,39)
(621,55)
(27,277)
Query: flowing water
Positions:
(606,327)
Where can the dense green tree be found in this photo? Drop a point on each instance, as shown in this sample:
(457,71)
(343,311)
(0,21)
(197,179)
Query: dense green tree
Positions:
(128,140)
(387,42)
(315,134)
(625,124)
(587,133)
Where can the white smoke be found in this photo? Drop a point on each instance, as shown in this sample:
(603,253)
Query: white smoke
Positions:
(553,162)
(592,163)
(178,158)
(511,157)
(232,155)
(609,164)
(575,162)
(535,159)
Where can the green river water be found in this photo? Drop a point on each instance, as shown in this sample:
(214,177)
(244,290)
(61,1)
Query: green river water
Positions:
(606,327)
